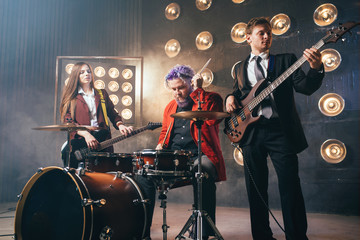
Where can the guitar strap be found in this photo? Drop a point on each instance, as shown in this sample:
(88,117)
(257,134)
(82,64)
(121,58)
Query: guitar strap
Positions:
(102,100)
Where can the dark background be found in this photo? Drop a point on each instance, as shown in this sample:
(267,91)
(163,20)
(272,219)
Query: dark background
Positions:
(34,33)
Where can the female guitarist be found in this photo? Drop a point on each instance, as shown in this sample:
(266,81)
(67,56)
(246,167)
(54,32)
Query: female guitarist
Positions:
(82,104)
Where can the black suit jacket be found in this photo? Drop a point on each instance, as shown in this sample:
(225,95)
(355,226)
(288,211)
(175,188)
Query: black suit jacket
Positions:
(283,95)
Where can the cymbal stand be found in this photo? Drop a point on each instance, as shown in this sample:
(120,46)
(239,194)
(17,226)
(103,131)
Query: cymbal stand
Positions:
(163,197)
(197,216)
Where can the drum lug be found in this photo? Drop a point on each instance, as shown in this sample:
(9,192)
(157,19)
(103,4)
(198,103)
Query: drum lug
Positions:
(20,196)
(138,201)
(98,203)
(40,170)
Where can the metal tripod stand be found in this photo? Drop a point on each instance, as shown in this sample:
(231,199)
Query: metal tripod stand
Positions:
(196,219)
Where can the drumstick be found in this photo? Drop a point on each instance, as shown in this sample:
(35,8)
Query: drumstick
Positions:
(205,65)
(167,132)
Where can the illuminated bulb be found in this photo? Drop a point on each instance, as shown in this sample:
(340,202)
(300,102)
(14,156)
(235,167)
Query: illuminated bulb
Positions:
(99,71)
(99,84)
(127,73)
(68,68)
(113,86)
(126,87)
(114,72)
(126,114)
(114,99)
(126,100)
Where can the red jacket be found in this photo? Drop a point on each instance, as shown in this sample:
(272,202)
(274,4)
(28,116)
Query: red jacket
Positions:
(209,131)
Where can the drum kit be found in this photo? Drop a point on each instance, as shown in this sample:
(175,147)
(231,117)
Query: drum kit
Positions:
(100,199)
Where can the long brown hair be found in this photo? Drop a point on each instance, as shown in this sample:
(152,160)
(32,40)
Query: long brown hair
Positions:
(70,91)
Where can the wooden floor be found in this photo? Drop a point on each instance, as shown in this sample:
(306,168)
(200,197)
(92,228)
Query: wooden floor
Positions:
(232,223)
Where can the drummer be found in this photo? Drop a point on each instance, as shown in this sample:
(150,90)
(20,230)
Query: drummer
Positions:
(81,104)
(182,134)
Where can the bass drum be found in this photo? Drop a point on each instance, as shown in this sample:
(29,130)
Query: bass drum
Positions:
(60,204)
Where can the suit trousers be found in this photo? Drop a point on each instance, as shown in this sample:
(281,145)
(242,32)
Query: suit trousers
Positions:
(270,140)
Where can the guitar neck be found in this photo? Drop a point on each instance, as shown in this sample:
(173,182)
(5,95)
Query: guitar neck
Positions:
(110,142)
(269,89)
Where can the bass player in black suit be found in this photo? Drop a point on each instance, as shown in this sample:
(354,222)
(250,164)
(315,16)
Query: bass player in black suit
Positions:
(277,133)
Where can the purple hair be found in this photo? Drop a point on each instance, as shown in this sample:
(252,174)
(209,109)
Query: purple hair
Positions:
(183,72)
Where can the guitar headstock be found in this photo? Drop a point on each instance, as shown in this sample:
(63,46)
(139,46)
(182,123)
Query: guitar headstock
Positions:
(335,34)
(153,125)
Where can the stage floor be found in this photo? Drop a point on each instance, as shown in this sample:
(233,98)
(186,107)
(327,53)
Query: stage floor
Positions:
(232,223)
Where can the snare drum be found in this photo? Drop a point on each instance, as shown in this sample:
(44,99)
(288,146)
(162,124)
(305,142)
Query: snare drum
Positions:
(109,162)
(59,204)
(163,162)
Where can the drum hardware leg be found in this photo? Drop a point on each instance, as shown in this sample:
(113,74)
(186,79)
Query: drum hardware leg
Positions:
(196,218)
(98,203)
(163,197)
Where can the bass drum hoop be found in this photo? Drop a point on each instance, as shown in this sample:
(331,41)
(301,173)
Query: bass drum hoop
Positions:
(83,192)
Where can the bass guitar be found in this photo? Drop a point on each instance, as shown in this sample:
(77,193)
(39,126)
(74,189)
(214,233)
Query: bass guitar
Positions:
(80,149)
(237,124)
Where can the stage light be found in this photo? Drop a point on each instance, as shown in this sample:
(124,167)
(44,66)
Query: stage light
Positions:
(114,72)
(208,77)
(325,14)
(280,24)
(172,11)
(204,40)
(238,33)
(99,84)
(114,99)
(238,157)
(127,87)
(333,151)
(202,5)
(126,114)
(331,59)
(127,73)
(113,86)
(99,71)
(238,1)
(126,100)
(68,68)
(172,48)
(331,104)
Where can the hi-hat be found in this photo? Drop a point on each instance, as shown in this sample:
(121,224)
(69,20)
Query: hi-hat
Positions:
(200,115)
(325,14)
(331,104)
(333,151)
(280,24)
(66,127)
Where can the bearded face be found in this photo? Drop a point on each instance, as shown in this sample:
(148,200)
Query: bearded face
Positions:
(181,92)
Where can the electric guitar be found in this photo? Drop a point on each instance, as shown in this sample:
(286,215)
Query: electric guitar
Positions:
(237,124)
(80,149)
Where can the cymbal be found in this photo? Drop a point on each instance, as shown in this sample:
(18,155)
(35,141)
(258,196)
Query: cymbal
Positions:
(66,127)
(200,115)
